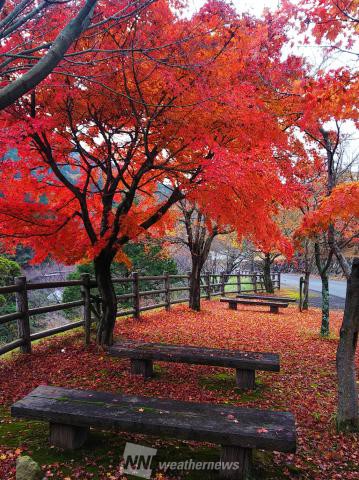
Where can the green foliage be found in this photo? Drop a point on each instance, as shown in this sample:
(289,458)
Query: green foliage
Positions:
(146,259)
(149,260)
(8,271)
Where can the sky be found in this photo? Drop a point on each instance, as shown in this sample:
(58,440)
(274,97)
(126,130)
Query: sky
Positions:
(253,6)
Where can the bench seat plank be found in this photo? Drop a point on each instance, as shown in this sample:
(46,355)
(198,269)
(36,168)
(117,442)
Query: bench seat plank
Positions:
(258,303)
(196,355)
(266,297)
(242,427)
(273,306)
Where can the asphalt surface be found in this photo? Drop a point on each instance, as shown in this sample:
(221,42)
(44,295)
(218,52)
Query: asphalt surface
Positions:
(337,290)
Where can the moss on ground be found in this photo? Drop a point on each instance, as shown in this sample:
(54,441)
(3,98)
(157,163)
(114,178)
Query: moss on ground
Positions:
(224,382)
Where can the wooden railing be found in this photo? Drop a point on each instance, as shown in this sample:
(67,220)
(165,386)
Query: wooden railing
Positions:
(211,285)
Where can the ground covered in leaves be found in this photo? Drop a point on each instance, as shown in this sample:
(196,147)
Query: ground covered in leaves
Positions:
(305,386)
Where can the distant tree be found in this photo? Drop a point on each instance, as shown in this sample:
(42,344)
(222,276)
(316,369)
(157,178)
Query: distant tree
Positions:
(338,211)
(270,248)
(227,255)
(341,209)
(327,101)
(268,259)
(329,243)
(196,231)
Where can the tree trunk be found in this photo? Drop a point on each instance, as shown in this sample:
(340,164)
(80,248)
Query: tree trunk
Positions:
(195,284)
(306,291)
(343,262)
(199,241)
(348,409)
(108,296)
(268,284)
(323,272)
(324,331)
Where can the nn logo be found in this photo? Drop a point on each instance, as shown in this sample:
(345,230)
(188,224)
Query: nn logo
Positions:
(138,459)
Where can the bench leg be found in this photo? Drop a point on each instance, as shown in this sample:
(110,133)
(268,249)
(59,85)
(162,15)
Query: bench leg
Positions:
(233,305)
(274,309)
(142,367)
(241,460)
(68,437)
(245,379)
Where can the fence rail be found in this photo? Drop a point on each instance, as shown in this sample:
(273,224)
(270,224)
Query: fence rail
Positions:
(211,286)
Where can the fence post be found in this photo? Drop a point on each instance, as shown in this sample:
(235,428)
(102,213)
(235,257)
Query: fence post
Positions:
(254,277)
(222,284)
(278,280)
(167,291)
(23,323)
(86,296)
(136,295)
(239,287)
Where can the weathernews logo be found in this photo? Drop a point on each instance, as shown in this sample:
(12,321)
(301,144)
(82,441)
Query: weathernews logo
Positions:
(138,460)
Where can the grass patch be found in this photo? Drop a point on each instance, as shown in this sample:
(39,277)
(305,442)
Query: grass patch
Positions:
(332,337)
(159,370)
(265,469)
(223,382)
(286,292)
(218,381)
(232,284)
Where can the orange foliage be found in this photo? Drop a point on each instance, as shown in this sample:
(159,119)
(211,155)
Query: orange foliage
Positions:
(340,209)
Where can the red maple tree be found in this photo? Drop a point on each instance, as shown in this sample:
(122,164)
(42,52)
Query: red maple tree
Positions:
(171,108)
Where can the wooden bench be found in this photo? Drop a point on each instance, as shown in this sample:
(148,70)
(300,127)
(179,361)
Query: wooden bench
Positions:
(273,306)
(71,413)
(266,297)
(142,356)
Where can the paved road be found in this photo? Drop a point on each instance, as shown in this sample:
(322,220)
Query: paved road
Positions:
(337,289)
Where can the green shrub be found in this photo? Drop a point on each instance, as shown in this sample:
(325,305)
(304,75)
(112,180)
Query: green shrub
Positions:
(8,271)
(146,259)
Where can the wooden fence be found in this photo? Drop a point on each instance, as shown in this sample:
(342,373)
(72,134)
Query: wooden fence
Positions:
(211,285)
